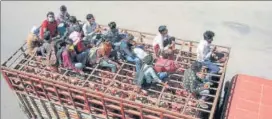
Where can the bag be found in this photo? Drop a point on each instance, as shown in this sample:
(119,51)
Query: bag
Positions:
(168,65)
(139,78)
(92,55)
(80,46)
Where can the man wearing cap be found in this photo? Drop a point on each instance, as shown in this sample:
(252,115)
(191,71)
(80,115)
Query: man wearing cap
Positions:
(49,25)
(90,28)
(204,52)
(163,42)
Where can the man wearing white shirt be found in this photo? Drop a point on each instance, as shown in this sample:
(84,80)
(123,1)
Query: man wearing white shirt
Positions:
(162,41)
(90,28)
(140,53)
(204,52)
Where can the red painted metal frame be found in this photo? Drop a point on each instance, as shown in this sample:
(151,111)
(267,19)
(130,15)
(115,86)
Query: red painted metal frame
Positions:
(66,93)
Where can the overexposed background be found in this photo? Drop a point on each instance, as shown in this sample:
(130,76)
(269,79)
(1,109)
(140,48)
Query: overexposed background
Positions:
(245,26)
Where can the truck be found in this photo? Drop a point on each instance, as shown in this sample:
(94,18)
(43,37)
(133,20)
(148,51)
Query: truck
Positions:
(98,93)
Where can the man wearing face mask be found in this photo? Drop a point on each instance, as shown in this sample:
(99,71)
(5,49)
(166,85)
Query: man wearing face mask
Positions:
(194,82)
(63,15)
(163,42)
(49,25)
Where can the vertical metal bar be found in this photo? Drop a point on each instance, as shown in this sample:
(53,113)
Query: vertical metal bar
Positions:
(161,115)
(29,113)
(141,112)
(28,105)
(36,107)
(46,109)
(66,112)
(87,102)
(44,90)
(54,110)
(122,110)
(104,106)
(70,94)
(57,93)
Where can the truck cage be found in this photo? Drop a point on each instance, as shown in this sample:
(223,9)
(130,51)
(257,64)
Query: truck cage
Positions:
(102,94)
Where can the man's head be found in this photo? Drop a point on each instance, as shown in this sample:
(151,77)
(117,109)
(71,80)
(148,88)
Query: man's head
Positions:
(208,36)
(197,68)
(63,8)
(112,25)
(163,30)
(50,16)
(73,19)
(164,55)
(90,18)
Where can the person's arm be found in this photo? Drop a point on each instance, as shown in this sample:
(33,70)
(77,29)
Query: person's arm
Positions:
(43,29)
(200,51)
(160,42)
(208,55)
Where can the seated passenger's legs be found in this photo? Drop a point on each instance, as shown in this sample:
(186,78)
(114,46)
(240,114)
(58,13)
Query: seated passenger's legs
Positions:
(213,68)
(162,75)
(135,60)
(204,94)
(109,65)
(82,58)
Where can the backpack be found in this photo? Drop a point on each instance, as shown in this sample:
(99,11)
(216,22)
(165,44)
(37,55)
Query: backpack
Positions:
(139,78)
(92,55)
(167,66)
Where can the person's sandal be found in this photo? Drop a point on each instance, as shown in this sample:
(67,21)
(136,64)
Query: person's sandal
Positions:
(202,105)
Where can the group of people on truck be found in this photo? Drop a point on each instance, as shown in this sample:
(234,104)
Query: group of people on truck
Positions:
(67,43)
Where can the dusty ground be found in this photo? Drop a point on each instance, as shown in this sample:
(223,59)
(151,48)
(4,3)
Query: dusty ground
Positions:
(244,26)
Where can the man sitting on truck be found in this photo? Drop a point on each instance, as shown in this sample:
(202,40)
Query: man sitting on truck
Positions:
(49,25)
(147,74)
(63,16)
(163,42)
(34,45)
(90,29)
(126,52)
(194,82)
(204,52)
(114,37)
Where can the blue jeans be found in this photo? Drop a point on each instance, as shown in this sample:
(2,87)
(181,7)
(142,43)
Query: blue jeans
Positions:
(135,60)
(213,68)
(113,67)
(162,75)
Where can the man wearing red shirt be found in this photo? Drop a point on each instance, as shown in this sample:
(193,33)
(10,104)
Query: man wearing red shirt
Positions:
(163,64)
(50,24)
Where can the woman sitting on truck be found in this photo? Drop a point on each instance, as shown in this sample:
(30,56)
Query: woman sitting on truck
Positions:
(194,82)
(70,59)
